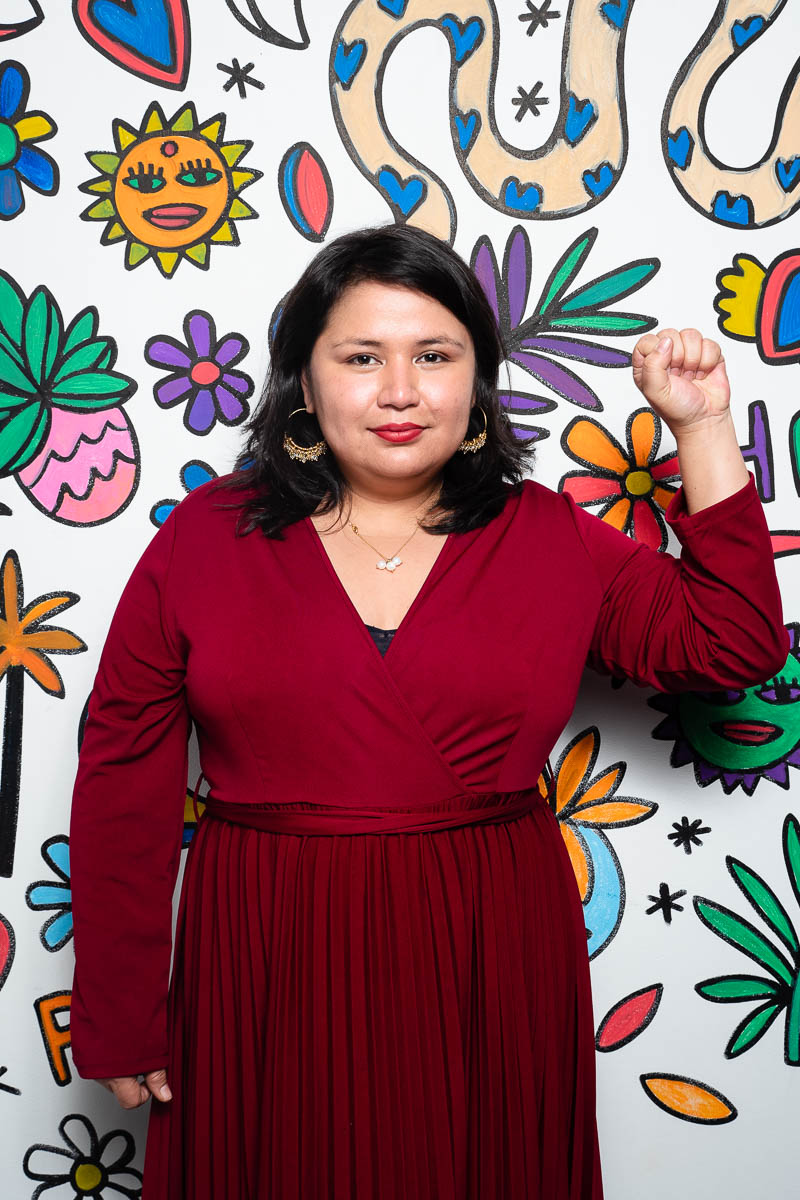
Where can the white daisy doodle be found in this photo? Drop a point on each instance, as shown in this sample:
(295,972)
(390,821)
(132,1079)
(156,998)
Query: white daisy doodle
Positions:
(89,1166)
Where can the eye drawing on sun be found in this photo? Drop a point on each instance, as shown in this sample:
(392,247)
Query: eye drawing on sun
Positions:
(170,189)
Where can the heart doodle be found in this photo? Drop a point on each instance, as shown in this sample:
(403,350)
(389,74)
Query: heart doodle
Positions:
(405,194)
(788,172)
(744,31)
(348,59)
(581,115)
(466,37)
(679,147)
(733,210)
(598,182)
(616,11)
(149,38)
(521,199)
(395,8)
(467,125)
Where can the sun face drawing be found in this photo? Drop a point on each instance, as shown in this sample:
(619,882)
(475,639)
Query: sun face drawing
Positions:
(739,735)
(171,189)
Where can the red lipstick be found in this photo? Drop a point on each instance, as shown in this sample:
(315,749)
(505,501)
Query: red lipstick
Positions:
(398,433)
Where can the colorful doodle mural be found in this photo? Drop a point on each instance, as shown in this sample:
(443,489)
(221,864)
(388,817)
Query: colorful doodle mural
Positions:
(108,375)
(585,808)
(740,736)
(578,166)
(150,38)
(741,197)
(25,646)
(781,992)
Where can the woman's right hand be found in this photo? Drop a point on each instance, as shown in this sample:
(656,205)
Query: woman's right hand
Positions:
(131,1092)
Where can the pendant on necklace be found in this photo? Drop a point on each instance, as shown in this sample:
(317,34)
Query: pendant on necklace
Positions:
(388,564)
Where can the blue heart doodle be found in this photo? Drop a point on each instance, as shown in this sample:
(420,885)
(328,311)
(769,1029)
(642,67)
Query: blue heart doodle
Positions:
(733,210)
(743,32)
(395,8)
(144,27)
(788,172)
(348,60)
(598,182)
(615,11)
(525,199)
(580,115)
(467,125)
(405,194)
(466,37)
(680,146)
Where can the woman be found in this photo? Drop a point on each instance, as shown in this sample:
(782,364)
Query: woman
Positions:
(381,986)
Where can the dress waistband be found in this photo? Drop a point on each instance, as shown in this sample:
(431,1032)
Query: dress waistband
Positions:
(471,809)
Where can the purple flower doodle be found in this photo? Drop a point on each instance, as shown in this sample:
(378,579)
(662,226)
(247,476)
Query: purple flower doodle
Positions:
(201,374)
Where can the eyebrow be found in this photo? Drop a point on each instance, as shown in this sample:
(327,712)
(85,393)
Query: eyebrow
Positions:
(440,340)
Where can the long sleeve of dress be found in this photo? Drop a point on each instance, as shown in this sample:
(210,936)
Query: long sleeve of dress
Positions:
(126,829)
(711,618)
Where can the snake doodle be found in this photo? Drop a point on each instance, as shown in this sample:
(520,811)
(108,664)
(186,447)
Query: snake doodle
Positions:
(585,154)
(746,197)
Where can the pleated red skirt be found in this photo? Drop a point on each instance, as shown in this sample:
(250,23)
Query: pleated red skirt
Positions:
(379,1016)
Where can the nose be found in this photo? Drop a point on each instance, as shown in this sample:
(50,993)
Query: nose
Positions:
(398,384)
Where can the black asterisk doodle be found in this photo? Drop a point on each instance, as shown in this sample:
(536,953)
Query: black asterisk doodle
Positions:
(6,1087)
(665,902)
(686,833)
(538,16)
(529,101)
(240,76)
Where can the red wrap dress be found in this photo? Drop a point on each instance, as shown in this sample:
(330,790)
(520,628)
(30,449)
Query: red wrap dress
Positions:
(380,986)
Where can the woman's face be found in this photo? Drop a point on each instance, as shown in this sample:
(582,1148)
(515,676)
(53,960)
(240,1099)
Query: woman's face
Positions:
(391,356)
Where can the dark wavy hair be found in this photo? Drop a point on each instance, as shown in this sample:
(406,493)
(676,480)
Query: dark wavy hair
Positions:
(475,486)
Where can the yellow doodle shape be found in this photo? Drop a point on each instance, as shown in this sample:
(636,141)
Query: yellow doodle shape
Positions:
(739,296)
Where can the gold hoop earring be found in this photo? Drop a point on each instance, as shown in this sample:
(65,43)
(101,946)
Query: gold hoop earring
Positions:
(303,453)
(475,443)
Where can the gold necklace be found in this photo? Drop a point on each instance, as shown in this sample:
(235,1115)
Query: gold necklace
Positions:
(383,563)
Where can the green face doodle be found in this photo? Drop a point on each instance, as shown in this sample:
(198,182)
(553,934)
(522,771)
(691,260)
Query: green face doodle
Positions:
(746,729)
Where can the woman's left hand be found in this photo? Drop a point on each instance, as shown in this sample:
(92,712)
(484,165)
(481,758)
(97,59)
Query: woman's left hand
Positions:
(682,376)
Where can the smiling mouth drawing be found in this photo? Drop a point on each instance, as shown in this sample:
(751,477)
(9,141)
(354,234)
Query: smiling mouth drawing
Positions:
(174,216)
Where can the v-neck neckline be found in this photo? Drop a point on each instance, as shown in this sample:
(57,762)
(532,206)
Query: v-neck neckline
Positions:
(424,588)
